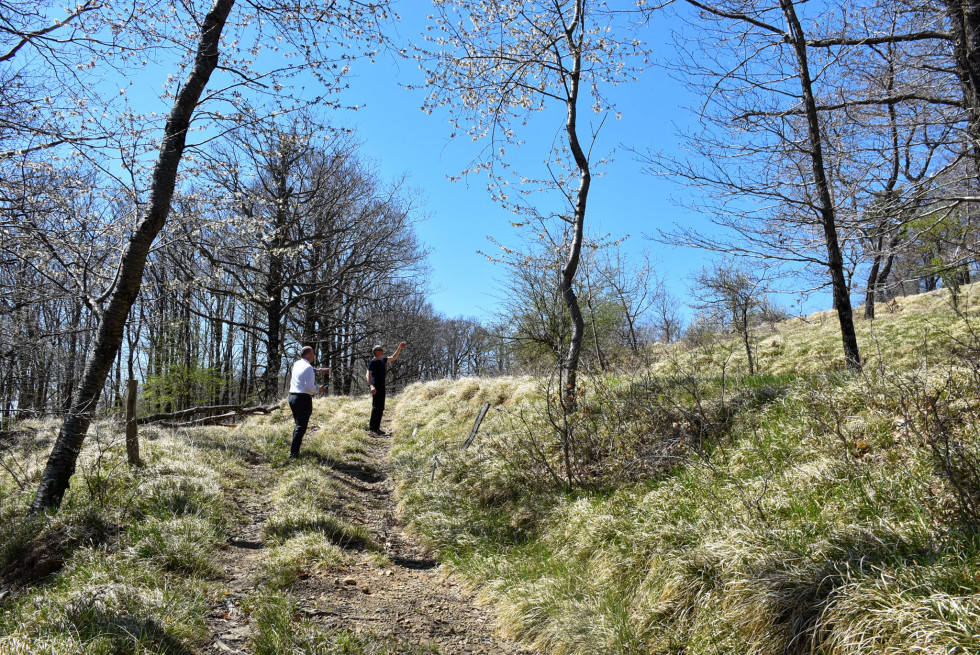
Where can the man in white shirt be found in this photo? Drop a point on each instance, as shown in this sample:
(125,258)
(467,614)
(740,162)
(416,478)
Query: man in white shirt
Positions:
(302,388)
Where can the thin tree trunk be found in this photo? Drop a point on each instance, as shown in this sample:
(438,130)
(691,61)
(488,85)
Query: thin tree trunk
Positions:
(70,365)
(595,335)
(871,293)
(247,361)
(876,278)
(274,282)
(273,354)
(828,214)
(61,463)
(566,282)
(350,330)
(228,358)
(118,402)
(746,340)
(132,431)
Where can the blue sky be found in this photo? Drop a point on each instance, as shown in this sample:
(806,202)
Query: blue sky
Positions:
(402,139)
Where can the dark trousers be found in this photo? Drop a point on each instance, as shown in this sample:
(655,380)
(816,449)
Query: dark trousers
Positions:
(301,405)
(377,409)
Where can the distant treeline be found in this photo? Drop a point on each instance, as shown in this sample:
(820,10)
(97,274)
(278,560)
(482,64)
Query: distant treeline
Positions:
(280,238)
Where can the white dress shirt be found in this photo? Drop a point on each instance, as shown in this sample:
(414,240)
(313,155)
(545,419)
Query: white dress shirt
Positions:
(303,379)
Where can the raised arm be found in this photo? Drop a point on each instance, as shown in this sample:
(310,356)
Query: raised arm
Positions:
(397,352)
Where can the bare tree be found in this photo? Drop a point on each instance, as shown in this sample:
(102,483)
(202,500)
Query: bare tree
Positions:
(637,289)
(765,142)
(298,27)
(920,59)
(730,295)
(494,64)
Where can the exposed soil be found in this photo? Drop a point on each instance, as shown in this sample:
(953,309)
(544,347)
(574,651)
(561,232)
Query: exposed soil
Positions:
(239,565)
(411,600)
(46,554)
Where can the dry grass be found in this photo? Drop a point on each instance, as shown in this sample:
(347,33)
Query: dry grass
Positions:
(125,564)
(306,553)
(812,345)
(814,522)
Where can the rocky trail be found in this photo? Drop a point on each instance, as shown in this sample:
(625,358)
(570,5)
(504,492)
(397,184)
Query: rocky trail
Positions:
(240,562)
(412,600)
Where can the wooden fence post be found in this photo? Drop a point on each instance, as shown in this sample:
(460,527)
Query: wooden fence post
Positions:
(476,426)
(132,435)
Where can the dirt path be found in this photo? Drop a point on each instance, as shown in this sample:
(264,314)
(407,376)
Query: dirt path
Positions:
(239,564)
(412,600)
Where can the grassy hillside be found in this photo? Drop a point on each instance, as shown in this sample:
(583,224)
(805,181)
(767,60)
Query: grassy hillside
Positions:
(131,562)
(804,509)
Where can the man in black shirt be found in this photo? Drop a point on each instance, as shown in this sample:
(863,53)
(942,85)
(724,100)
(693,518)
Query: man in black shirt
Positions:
(376,371)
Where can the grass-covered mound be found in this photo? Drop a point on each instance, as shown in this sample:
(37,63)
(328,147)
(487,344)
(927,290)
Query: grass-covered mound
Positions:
(124,565)
(801,510)
(130,562)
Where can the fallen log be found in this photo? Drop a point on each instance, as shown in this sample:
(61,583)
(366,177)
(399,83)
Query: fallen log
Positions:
(215,412)
(15,435)
(206,420)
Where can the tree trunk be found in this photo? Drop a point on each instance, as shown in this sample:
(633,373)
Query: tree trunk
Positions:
(273,351)
(883,276)
(964,17)
(132,431)
(274,282)
(595,335)
(566,283)
(930,281)
(118,402)
(70,364)
(828,214)
(746,338)
(877,276)
(870,294)
(61,463)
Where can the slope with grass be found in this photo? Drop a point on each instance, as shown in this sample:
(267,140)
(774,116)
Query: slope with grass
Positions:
(219,544)
(802,510)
